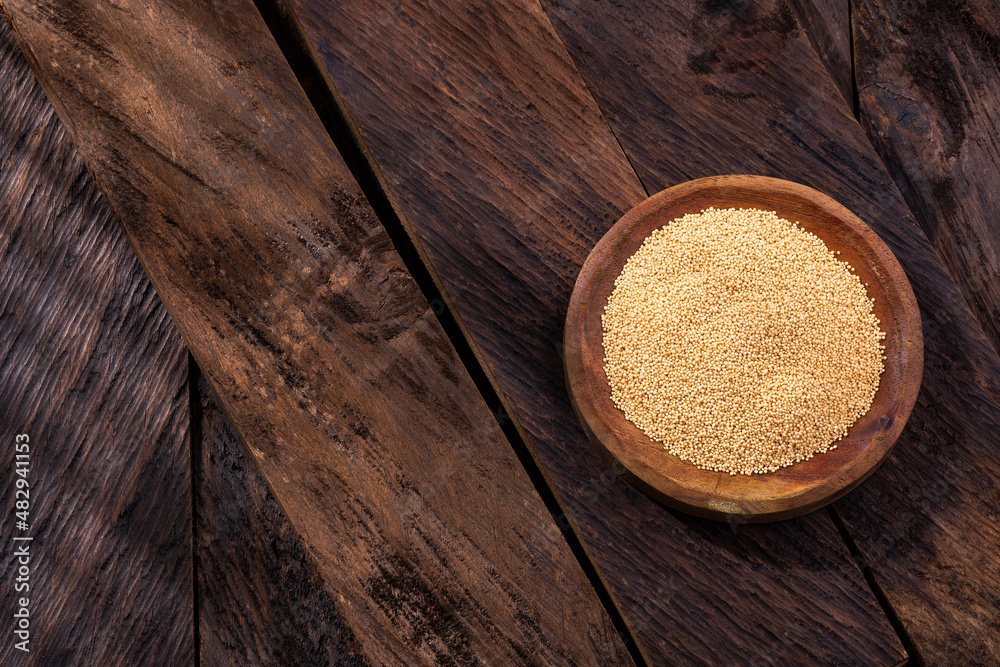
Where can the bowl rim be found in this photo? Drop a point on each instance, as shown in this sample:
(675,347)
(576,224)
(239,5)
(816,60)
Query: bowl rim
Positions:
(790,491)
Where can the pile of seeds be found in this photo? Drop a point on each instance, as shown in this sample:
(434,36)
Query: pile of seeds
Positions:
(740,341)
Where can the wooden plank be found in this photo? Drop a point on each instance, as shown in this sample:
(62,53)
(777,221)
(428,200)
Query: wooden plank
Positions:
(340,382)
(926,522)
(497,160)
(95,373)
(929,85)
(828,25)
(261,598)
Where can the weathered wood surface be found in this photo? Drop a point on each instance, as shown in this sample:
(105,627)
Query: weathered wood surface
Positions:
(427,532)
(828,25)
(261,599)
(733,87)
(929,99)
(496,158)
(95,373)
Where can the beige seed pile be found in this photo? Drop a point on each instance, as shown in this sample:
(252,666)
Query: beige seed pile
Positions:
(741,342)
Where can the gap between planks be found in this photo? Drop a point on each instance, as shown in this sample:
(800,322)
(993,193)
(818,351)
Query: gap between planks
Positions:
(915,659)
(855,98)
(195,436)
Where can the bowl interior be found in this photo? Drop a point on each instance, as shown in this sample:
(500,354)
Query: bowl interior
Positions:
(791,490)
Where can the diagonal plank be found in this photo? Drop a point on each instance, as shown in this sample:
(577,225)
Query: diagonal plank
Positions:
(496,158)
(929,86)
(828,25)
(322,351)
(261,598)
(94,372)
(927,520)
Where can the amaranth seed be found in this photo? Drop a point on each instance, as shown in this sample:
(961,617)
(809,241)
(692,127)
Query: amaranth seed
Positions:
(740,341)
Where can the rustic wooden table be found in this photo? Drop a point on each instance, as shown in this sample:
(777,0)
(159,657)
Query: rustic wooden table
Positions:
(365,219)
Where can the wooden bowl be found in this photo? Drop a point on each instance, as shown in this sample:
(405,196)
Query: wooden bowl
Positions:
(789,491)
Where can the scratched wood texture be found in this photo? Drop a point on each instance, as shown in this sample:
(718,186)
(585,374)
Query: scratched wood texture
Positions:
(736,87)
(498,162)
(827,23)
(929,84)
(331,366)
(95,373)
(261,598)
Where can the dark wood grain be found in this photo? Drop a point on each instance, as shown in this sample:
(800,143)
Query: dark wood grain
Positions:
(329,363)
(928,76)
(95,373)
(791,491)
(926,521)
(261,598)
(828,25)
(497,160)
(929,84)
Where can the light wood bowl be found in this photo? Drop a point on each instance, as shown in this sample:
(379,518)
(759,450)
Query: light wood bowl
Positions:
(790,491)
